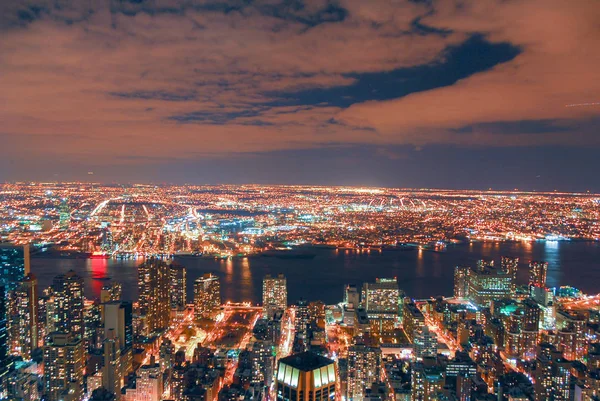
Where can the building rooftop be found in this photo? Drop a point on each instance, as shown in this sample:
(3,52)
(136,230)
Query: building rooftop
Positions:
(306,361)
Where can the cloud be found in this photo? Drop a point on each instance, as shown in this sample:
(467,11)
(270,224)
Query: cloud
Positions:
(127,81)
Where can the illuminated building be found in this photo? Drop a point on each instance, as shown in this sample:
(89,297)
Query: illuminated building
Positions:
(381,301)
(461,281)
(274,294)
(23,318)
(302,317)
(178,285)
(68,302)
(148,384)
(64,363)
(427,380)
(306,377)
(154,285)
(64,215)
(425,343)
(263,358)
(207,297)
(111,292)
(488,284)
(23,386)
(461,370)
(510,266)
(118,316)
(112,372)
(413,320)
(364,368)
(351,295)
(14,265)
(537,274)
(5,363)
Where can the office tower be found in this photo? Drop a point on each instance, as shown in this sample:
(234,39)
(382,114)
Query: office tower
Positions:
(148,384)
(413,320)
(14,265)
(543,372)
(23,318)
(364,369)
(112,373)
(64,364)
(427,380)
(302,317)
(207,297)
(460,373)
(461,281)
(263,357)
(5,364)
(154,285)
(305,377)
(274,294)
(381,301)
(351,295)
(111,292)
(64,215)
(510,266)
(426,344)
(118,316)
(571,338)
(178,285)
(488,284)
(537,274)
(68,295)
(23,386)
(107,242)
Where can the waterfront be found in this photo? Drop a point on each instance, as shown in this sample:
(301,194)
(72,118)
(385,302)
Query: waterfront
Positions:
(420,273)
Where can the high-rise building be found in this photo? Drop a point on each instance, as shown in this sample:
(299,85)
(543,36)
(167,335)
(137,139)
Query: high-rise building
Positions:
(426,344)
(306,377)
(381,300)
(302,317)
(537,273)
(111,292)
(364,369)
(510,266)
(68,296)
(461,281)
(23,318)
(207,297)
(274,295)
(64,215)
(64,364)
(14,265)
(460,372)
(427,380)
(149,384)
(351,295)
(178,285)
(112,372)
(488,284)
(5,363)
(413,320)
(118,316)
(154,285)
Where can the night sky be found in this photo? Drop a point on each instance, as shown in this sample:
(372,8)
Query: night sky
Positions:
(499,94)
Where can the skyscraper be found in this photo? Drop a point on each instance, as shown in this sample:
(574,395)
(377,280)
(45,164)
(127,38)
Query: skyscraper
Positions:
(14,265)
(68,296)
(510,266)
(63,367)
(381,300)
(118,317)
(64,215)
(112,373)
(302,316)
(487,284)
(207,297)
(461,281)
(537,273)
(23,318)
(364,369)
(4,357)
(426,344)
(306,377)
(178,285)
(351,295)
(154,284)
(274,294)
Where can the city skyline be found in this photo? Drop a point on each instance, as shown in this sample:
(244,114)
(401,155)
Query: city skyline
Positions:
(453,94)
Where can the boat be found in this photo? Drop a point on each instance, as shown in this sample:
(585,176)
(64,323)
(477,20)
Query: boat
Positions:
(99,255)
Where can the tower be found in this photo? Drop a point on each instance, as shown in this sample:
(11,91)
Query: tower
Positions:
(305,377)
(274,294)
(63,366)
(154,294)
(14,265)
(207,297)
(68,295)
(537,274)
(510,266)
(64,215)
(461,281)
(178,285)
(364,368)
(23,318)
(5,363)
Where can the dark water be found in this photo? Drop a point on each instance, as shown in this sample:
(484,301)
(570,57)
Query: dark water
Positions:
(420,273)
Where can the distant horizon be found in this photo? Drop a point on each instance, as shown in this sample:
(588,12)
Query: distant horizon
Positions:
(416,189)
